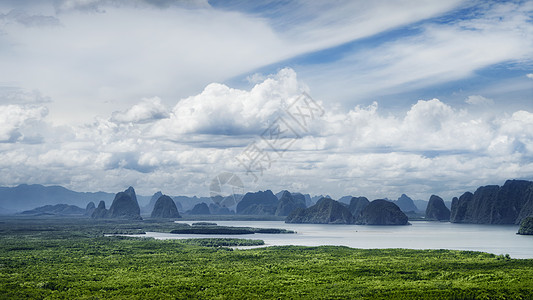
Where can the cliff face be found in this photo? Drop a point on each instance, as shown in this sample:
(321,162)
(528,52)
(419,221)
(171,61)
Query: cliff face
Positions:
(437,210)
(89,209)
(514,197)
(492,204)
(357,204)
(460,208)
(526,227)
(325,211)
(382,212)
(100,212)
(527,209)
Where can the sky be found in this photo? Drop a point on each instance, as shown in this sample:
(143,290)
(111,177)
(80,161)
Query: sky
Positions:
(361,98)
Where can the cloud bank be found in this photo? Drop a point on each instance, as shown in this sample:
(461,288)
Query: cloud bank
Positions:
(430,148)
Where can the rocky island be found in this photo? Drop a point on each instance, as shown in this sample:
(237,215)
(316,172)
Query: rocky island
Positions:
(165,207)
(437,210)
(124,206)
(325,211)
(382,212)
(492,204)
(258,203)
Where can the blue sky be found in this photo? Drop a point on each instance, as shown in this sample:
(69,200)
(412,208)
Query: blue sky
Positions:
(418,97)
(452,91)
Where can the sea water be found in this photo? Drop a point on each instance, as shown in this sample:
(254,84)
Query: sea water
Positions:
(496,239)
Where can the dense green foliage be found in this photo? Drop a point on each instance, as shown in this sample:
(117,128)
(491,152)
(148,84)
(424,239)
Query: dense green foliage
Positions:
(204,224)
(73,260)
(215,229)
(223,242)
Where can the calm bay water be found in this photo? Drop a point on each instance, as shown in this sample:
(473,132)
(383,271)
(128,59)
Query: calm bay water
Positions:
(497,239)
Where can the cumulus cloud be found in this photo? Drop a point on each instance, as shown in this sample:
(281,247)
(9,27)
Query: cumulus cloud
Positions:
(148,110)
(530,75)
(15,117)
(429,125)
(221,110)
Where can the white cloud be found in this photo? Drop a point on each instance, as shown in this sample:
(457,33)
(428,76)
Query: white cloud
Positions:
(428,126)
(479,100)
(530,75)
(14,117)
(148,110)
(226,111)
(427,116)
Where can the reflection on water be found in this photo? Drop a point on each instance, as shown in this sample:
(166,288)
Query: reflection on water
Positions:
(497,239)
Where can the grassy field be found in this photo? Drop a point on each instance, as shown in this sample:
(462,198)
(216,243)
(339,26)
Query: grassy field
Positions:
(71,259)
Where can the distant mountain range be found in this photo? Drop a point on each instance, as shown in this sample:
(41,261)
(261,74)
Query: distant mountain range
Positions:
(30,196)
(492,204)
(56,210)
(26,197)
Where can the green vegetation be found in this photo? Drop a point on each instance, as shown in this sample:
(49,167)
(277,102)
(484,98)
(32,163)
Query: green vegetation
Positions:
(223,242)
(71,259)
(215,229)
(204,224)
(232,218)
(526,227)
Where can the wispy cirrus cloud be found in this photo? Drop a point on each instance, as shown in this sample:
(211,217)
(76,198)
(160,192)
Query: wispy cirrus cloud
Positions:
(431,54)
(107,54)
